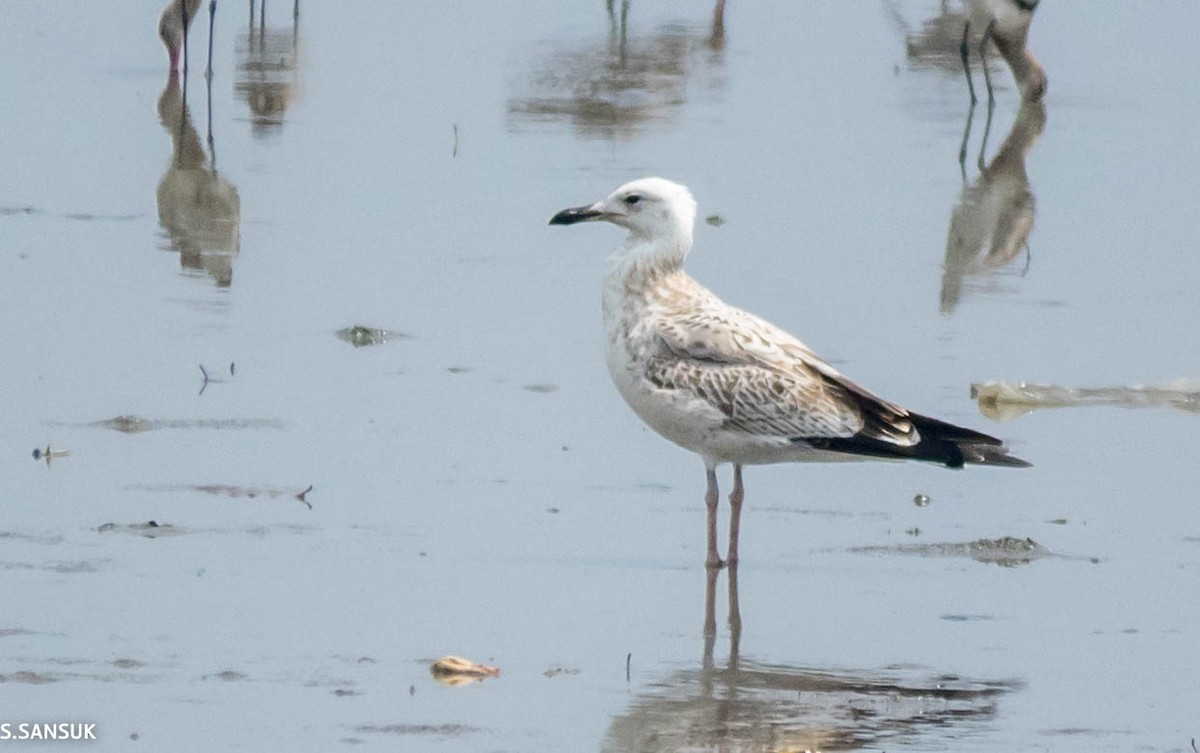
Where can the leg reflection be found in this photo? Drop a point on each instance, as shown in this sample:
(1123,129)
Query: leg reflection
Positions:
(710,619)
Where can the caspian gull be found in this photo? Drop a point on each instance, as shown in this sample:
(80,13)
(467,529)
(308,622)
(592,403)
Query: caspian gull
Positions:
(728,385)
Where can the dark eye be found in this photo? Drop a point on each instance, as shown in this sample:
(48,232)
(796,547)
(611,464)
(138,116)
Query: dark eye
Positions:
(632,199)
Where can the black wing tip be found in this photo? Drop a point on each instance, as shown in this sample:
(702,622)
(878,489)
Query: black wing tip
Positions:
(996,455)
(947,452)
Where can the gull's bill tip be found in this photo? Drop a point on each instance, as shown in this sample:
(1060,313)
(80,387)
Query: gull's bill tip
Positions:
(576,214)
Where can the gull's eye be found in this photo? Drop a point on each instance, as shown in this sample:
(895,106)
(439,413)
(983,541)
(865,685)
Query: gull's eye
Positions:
(632,199)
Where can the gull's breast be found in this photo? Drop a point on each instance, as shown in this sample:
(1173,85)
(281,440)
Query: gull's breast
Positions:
(677,413)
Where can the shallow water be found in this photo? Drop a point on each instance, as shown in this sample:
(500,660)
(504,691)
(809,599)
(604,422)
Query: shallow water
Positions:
(478,488)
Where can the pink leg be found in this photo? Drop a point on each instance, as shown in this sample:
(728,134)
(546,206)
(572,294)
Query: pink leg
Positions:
(710,502)
(735,513)
(735,616)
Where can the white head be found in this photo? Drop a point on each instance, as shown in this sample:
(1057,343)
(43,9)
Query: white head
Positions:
(658,214)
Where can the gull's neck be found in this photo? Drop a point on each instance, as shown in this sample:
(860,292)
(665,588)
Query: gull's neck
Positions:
(642,260)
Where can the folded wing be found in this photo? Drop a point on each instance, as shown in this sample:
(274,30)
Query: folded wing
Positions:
(767,383)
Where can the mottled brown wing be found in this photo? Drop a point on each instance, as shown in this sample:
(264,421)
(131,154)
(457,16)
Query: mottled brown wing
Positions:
(766,381)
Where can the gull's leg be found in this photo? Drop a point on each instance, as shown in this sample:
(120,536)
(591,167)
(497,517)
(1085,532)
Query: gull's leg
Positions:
(710,609)
(964,51)
(710,501)
(735,617)
(987,77)
(735,514)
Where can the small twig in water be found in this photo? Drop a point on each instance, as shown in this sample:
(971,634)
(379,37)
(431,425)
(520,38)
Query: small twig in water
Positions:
(454,151)
(49,453)
(628,659)
(301,496)
(205,385)
(1194,746)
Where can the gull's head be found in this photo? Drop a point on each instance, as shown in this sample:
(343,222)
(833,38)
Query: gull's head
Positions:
(655,211)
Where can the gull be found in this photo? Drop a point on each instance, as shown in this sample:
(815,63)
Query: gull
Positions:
(732,387)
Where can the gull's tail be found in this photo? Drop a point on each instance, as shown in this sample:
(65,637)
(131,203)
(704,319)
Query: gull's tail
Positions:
(941,442)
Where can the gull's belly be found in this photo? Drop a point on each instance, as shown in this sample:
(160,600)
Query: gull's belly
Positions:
(689,421)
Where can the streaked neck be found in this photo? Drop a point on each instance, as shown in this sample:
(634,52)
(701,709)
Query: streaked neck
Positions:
(641,260)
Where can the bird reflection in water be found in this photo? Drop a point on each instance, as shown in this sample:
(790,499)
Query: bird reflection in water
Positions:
(994,216)
(173,27)
(748,706)
(199,208)
(267,69)
(987,28)
(610,89)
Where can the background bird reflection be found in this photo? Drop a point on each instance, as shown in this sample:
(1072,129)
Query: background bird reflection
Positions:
(198,207)
(611,87)
(268,68)
(994,215)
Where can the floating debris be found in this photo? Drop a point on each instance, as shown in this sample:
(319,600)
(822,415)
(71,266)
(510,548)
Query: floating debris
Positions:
(556,671)
(89,217)
(921,500)
(444,730)
(150,529)
(27,678)
(208,379)
(359,336)
(1007,551)
(234,491)
(49,453)
(455,670)
(715,220)
(1001,401)
(136,424)
(540,388)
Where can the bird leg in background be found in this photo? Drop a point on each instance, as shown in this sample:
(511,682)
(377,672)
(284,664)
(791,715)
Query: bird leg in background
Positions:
(735,514)
(212,147)
(962,148)
(212,12)
(965,51)
(987,77)
(713,560)
(987,130)
(183,15)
